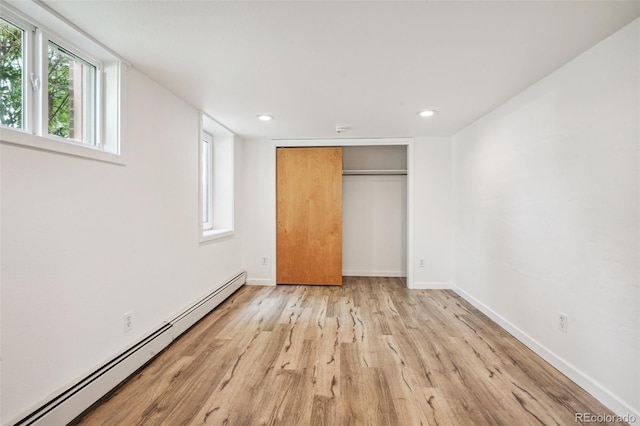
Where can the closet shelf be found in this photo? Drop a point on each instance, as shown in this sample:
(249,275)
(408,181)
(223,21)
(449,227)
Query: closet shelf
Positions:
(374,172)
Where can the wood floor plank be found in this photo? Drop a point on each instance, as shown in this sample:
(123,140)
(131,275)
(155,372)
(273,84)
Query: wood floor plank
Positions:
(370,352)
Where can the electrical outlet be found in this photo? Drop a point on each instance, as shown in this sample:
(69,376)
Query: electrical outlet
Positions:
(128,321)
(264,261)
(563,322)
(421,263)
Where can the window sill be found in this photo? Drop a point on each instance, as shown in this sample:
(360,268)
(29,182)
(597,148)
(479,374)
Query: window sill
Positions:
(42,143)
(215,234)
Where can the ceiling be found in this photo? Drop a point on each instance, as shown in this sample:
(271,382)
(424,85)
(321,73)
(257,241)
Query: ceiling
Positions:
(370,66)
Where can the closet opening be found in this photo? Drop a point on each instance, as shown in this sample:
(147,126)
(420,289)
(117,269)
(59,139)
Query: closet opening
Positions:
(374,211)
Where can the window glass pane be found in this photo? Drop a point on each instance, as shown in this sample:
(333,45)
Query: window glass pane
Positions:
(72,88)
(206,183)
(11,74)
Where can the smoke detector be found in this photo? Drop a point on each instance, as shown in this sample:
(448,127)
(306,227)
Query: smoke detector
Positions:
(341,129)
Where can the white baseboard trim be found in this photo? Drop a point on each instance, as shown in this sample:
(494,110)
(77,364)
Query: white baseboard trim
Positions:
(260,281)
(583,380)
(66,404)
(369,273)
(430,285)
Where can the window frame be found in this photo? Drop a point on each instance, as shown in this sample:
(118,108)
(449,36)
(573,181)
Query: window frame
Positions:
(222,181)
(107,103)
(47,38)
(206,174)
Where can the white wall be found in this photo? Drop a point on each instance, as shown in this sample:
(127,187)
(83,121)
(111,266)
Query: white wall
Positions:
(84,242)
(429,194)
(432,204)
(546,217)
(258,208)
(374,226)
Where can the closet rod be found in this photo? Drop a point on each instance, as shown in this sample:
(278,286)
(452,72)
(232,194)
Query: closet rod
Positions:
(375,172)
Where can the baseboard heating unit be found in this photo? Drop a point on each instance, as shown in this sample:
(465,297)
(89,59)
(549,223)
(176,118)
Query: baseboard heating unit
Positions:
(71,402)
(184,320)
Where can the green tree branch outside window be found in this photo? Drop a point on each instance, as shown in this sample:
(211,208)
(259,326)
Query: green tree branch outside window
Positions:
(11,83)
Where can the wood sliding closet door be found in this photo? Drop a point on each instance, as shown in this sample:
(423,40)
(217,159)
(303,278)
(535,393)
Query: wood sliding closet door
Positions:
(309,216)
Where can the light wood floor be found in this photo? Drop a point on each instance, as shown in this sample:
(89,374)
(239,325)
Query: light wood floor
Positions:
(369,352)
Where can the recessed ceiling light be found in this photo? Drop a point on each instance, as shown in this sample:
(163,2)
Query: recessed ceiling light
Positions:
(265,117)
(426,113)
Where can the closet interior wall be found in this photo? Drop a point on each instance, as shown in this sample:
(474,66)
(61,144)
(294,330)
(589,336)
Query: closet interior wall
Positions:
(374,211)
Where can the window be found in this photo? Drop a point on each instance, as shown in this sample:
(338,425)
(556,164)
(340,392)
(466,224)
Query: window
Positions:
(71,87)
(11,74)
(56,94)
(216,180)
